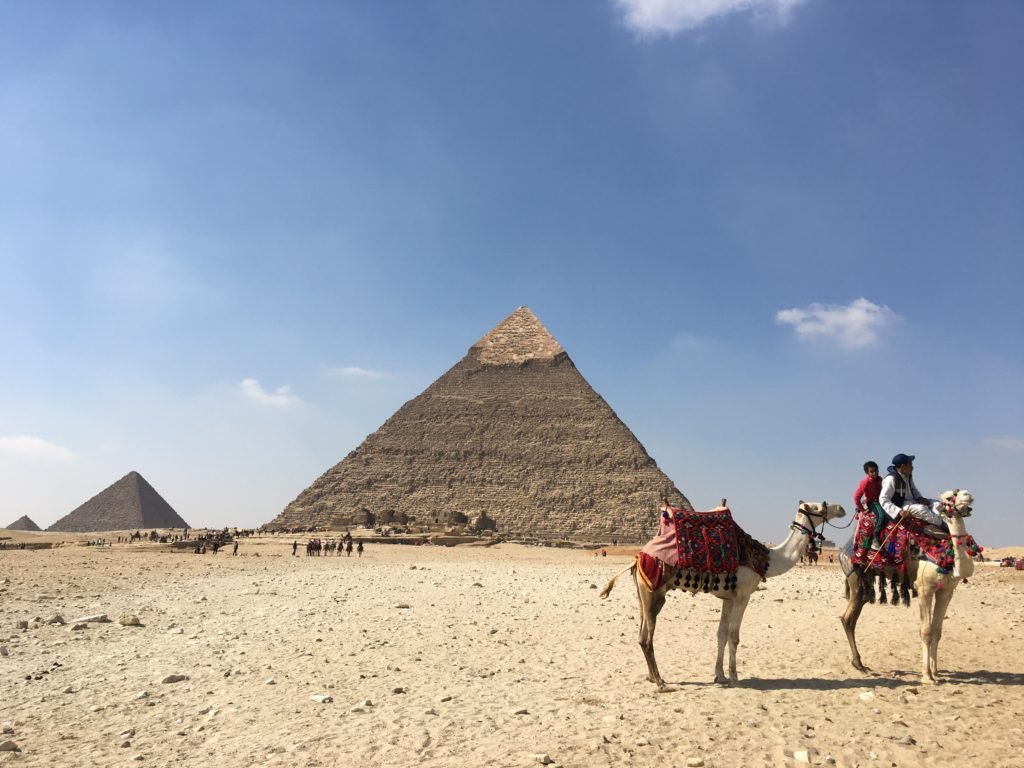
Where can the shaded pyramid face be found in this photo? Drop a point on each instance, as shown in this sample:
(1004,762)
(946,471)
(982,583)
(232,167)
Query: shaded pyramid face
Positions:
(512,430)
(130,503)
(24,523)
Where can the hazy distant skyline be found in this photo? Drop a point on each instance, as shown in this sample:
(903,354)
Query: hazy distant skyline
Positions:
(780,238)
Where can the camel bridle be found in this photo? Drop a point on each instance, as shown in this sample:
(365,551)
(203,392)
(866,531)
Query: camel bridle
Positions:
(812,532)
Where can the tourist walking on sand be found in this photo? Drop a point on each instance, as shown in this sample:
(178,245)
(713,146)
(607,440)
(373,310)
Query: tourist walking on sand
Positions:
(295,546)
(348,548)
(359,549)
(234,551)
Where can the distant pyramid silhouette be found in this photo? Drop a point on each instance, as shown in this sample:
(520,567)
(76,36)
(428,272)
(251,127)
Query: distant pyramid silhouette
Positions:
(130,503)
(23,523)
(512,429)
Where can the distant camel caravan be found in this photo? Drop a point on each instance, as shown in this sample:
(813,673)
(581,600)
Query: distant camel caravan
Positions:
(734,590)
(949,560)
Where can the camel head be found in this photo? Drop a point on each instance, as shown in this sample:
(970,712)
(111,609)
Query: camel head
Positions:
(960,501)
(817,511)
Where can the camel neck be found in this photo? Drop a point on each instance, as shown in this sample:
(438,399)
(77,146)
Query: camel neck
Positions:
(787,554)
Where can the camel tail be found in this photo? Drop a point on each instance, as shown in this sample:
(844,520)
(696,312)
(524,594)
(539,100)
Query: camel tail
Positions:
(608,588)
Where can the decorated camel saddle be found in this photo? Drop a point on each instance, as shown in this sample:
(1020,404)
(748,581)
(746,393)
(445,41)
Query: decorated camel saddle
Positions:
(910,539)
(702,550)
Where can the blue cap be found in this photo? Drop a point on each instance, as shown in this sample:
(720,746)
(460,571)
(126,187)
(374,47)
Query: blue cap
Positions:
(901,458)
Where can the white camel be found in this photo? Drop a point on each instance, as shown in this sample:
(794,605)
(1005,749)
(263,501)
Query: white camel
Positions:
(734,601)
(935,589)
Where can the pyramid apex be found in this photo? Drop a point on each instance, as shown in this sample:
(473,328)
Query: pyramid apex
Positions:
(517,339)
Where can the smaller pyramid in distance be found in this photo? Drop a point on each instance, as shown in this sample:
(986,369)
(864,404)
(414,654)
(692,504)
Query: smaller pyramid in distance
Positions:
(23,523)
(130,503)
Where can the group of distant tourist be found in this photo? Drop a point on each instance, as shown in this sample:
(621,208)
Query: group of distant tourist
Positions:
(318,547)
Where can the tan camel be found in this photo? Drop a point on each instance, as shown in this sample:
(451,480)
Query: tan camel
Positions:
(734,601)
(935,589)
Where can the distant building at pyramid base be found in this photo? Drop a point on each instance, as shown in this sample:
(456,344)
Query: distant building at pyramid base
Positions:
(23,523)
(513,430)
(130,503)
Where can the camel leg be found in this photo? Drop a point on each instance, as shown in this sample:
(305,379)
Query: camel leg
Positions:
(651,604)
(926,600)
(723,639)
(736,610)
(942,600)
(854,605)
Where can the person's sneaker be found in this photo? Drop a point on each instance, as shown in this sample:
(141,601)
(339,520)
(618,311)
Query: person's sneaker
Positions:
(876,544)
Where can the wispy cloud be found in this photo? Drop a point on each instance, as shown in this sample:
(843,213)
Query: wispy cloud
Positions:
(670,17)
(279,398)
(34,448)
(854,325)
(1006,443)
(354,372)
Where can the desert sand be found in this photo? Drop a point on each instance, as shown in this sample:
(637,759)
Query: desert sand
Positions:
(471,656)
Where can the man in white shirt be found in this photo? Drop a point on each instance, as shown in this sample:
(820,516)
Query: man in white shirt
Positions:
(900,497)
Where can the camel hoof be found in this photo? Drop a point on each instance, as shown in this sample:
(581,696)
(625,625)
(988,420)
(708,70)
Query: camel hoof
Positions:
(859,666)
(721,679)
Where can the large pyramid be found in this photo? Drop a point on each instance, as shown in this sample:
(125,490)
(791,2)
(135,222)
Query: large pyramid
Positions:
(23,523)
(130,503)
(512,430)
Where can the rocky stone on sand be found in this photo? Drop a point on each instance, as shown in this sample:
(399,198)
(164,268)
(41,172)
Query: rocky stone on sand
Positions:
(694,762)
(3,650)
(802,756)
(96,618)
(129,620)
(23,624)
(78,627)
(543,759)
(55,619)
(322,698)
(175,678)
(9,746)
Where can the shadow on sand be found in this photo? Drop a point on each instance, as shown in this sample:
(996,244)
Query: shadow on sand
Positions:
(891,680)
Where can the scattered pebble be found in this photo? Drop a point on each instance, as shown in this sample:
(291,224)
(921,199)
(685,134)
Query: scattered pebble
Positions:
(129,620)
(543,759)
(322,698)
(174,678)
(9,746)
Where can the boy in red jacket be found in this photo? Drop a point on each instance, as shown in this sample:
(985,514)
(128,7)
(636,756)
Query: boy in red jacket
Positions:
(866,497)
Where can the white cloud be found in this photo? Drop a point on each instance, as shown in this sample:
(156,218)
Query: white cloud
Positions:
(355,372)
(279,398)
(34,448)
(854,325)
(669,17)
(1013,444)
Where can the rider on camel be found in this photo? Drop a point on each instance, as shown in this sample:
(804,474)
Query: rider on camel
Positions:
(900,497)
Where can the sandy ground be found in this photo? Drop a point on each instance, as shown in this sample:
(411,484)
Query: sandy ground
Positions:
(479,657)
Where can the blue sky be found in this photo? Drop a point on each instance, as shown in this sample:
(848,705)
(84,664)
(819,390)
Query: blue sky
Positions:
(779,237)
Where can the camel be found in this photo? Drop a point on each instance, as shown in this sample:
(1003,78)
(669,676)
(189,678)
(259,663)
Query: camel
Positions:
(934,588)
(734,601)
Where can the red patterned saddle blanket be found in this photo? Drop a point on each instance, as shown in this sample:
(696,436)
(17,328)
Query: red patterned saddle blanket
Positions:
(709,547)
(893,554)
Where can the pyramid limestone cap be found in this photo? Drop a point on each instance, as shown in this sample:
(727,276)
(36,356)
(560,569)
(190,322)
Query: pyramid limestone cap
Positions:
(517,339)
